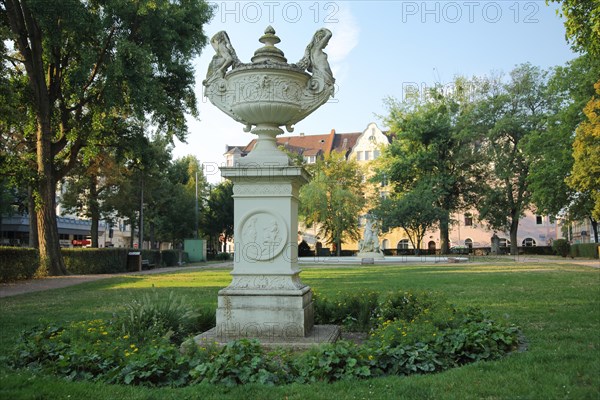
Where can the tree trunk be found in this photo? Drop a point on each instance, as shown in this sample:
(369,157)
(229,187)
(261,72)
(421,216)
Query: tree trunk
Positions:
(514,227)
(51,260)
(33,230)
(132,224)
(94,211)
(445,234)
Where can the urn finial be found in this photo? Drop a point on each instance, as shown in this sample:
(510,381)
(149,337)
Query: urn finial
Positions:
(269,53)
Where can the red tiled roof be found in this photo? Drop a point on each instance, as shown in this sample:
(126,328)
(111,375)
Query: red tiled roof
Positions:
(314,144)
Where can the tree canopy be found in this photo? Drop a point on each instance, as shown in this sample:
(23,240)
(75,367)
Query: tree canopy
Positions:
(91,66)
(333,200)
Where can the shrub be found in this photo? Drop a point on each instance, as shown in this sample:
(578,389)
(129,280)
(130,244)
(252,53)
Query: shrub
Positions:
(95,261)
(138,347)
(237,363)
(154,315)
(561,247)
(170,258)
(153,256)
(353,311)
(18,263)
(222,257)
(587,250)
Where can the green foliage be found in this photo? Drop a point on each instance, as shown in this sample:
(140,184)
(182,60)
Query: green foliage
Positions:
(415,212)
(562,247)
(585,176)
(217,215)
(222,256)
(170,258)
(582,22)
(138,347)
(18,263)
(155,315)
(342,360)
(153,256)
(352,310)
(95,261)
(587,250)
(434,148)
(98,351)
(240,362)
(333,199)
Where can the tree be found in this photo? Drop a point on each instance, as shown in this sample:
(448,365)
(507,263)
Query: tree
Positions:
(217,215)
(333,199)
(433,147)
(551,149)
(586,148)
(509,115)
(582,22)
(89,62)
(414,211)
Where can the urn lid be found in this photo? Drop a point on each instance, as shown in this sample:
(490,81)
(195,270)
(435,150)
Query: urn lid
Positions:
(269,53)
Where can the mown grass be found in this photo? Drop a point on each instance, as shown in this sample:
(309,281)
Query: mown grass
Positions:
(556,305)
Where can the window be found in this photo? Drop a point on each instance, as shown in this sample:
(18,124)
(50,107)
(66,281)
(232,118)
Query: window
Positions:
(468,219)
(367,155)
(403,244)
(469,243)
(359,156)
(375,154)
(538,220)
(529,242)
(504,242)
(310,159)
(385,244)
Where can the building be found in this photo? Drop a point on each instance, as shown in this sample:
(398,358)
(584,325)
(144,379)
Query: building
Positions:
(366,146)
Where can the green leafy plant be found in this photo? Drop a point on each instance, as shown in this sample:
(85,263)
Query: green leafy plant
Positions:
(562,247)
(156,315)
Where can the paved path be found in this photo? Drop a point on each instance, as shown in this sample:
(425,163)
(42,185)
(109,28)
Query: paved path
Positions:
(55,282)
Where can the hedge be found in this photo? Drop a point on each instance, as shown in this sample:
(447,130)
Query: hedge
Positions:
(18,263)
(95,261)
(587,250)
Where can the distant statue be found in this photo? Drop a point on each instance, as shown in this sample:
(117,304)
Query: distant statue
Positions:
(315,59)
(224,58)
(370,242)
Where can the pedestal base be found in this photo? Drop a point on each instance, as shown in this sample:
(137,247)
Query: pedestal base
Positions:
(320,334)
(371,254)
(264,314)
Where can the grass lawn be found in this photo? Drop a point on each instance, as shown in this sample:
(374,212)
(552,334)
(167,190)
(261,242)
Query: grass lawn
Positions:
(556,305)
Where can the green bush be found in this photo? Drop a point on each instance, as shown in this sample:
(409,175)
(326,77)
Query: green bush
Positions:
(222,257)
(561,247)
(153,256)
(18,263)
(170,258)
(95,261)
(587,250)
(154,315)
(353,311)
(421,335)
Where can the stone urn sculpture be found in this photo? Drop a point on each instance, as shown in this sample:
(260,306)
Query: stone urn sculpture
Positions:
(268,92)
(266,298)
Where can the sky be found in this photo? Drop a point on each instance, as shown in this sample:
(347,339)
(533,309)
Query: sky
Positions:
(379,49)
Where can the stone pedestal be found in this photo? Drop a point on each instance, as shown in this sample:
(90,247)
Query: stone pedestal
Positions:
(266,298)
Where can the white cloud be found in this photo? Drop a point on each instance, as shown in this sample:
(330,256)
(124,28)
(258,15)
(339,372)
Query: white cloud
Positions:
(345,38)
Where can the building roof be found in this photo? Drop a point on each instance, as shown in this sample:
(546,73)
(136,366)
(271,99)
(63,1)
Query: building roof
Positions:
(309,145)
